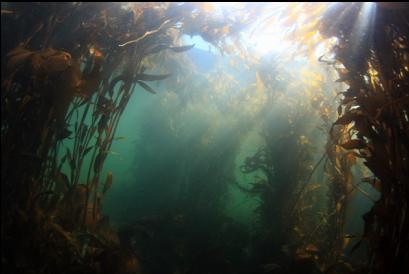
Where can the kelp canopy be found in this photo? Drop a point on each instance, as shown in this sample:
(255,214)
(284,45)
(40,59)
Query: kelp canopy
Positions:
(329,106)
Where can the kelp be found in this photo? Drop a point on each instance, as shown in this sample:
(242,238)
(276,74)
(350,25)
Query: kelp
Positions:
(283,165)
(70,69)
(338,170)
(69,73)
(374,112)
(327,232)
(309,233)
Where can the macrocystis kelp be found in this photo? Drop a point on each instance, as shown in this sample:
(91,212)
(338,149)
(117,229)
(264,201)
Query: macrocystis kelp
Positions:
(285,163)
(335,166)
(68,71)
(374,114)
(299,226)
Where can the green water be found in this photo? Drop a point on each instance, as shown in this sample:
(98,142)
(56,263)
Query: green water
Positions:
(179,161)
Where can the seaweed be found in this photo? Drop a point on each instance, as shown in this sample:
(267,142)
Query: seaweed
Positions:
(374,111)
(70,71)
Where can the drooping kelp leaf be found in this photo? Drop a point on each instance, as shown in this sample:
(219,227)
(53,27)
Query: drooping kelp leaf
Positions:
(150,77)
(160,47)
(182,48)
(146,87)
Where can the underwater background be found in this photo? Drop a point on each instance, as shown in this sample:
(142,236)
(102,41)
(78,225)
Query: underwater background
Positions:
(204,138)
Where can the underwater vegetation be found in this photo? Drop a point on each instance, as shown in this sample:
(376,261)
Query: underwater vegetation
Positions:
(375,110)
(204,138)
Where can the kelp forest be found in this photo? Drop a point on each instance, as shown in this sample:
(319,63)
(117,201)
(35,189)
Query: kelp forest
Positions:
(204,138)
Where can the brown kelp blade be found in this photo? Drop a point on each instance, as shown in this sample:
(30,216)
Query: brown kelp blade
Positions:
(182,48)
(146,87)
(150,77)
(158,48)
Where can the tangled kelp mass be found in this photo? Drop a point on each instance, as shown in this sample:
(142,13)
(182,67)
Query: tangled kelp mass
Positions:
(205,138)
